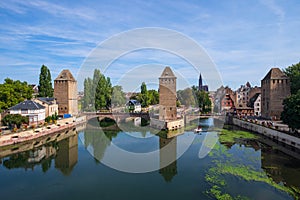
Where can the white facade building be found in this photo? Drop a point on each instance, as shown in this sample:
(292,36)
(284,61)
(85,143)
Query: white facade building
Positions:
(257,106)
(33,110)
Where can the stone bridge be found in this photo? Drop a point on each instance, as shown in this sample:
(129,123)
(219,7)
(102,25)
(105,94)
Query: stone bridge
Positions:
(121,116)
(117,116)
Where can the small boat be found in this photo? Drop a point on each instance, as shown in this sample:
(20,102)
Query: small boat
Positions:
(198,129)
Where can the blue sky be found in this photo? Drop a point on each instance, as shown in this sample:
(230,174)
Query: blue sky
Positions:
(243,38)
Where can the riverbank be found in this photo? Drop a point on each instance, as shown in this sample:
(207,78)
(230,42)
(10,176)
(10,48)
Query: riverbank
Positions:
(271,133)
(28,135)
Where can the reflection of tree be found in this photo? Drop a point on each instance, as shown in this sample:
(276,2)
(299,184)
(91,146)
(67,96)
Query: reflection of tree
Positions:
(168,155)
(99,140)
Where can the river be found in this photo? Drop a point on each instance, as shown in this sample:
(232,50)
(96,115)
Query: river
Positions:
(80,167)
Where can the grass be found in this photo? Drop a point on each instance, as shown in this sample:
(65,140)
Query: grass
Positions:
(226,164)
(230,136)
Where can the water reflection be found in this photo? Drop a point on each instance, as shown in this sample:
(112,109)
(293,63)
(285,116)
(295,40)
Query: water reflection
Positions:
(63,149)
(168,154)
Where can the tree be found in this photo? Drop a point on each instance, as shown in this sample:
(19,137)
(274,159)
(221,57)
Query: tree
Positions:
(88,102)
(11,120)
(118,96)
(291,111)
(153,97)
(293,72)
(144,95)
(13,92)
(186,97)
(45,83)
(97,92)
(202,100)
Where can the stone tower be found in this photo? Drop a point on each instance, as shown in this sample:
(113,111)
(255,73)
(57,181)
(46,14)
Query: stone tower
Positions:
(275,87)
(167,95)
(65,93)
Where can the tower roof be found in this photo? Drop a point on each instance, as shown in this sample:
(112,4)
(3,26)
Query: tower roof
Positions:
(167,73)
(65,75)
(275,73)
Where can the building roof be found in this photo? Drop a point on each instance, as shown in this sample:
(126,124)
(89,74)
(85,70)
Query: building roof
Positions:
(252,100)
(65,75)
(167,73)
(275,73)
(47,100)
(27,105)
(134,102)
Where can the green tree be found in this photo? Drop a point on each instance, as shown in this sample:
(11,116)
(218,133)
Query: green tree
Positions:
(118,96)
(153,97)
(88,103)
(13,92)
(293,72)
(45,83)
(144,95)
(202,100)
(186,97)
(291,111)
(11,120)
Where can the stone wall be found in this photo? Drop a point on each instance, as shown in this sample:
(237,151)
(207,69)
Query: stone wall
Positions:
(271,133)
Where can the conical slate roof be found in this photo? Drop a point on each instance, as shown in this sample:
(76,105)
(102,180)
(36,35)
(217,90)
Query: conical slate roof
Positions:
(65,75)
(275,73)
(167,73)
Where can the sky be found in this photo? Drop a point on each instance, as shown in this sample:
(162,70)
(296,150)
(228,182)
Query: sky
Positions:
(243,39)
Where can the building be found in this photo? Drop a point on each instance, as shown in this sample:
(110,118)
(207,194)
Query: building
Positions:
(202,87)
(65,93)
(255,103)
(227,103)
(257,106)
(35,89)
(33,110)
(167,95)
(275,88)
(243,95)
(134,106)
(167,119)
(50,105)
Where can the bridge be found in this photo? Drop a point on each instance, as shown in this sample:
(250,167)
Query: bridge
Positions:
(121,116)
(117,116)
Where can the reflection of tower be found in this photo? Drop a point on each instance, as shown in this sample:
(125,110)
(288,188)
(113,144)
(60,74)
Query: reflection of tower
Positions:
(167,95)
(67,154)
(168,155)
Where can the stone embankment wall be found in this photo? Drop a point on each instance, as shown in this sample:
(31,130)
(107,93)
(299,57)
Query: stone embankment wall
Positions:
(269,132)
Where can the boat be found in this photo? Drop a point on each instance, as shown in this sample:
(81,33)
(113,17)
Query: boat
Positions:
(198,129)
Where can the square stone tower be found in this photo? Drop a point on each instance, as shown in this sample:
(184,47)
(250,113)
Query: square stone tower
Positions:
(275,87)
(167,95)
(65,93)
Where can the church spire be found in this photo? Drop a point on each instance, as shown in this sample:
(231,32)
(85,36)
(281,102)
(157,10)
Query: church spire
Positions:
(200,82)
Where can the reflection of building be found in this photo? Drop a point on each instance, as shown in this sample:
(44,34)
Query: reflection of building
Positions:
(65,92)
(280,167)
(168,157)
(39,154)
(50,105)
(34,111)
(202,87)
(67,154)
(275,88)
